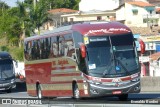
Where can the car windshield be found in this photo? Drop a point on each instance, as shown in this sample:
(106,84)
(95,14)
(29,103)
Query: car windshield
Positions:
(111,57)
(6,69)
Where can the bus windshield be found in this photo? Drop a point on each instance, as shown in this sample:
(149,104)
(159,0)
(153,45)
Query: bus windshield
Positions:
(6,69)
(111,56)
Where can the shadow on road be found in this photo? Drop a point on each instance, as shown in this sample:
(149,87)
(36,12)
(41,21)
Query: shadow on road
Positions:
(20,87)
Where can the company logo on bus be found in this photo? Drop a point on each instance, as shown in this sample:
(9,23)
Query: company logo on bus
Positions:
(110,30)
(116,80)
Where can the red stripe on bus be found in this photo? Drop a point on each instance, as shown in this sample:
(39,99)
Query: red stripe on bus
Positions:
(96,78)
(106,80)
(69,74)
(64,67)
(126,78)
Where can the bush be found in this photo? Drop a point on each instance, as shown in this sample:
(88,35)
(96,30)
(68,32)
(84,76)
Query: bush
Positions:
(4,48)
(17,53)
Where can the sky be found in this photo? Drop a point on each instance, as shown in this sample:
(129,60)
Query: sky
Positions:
(11,3)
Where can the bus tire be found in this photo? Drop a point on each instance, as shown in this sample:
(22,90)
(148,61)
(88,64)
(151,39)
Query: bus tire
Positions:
(39,92)
(76,93)
(123,97)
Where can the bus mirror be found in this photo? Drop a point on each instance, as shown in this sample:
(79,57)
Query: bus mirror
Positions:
(142,46)
(16,63)
(83,50)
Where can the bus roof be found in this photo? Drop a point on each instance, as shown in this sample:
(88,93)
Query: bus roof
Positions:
(5,55)
(89,28)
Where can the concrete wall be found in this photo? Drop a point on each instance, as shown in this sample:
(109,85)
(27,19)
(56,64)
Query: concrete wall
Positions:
(150,84)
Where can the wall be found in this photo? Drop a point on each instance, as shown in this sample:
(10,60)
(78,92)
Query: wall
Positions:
(150,84)
(89,16)
(120,13)
(134,20)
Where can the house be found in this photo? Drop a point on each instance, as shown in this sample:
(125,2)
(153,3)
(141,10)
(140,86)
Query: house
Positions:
(137,13)
(55,15)
(89,16)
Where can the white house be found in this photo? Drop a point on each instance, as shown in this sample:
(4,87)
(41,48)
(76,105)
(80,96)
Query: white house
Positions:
(89,16)
(137,13)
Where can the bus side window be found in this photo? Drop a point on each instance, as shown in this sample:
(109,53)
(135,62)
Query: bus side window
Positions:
(47,47)
(42,48)
(33,50)
(26,50)
(69,46)
(78,38)
(61,45)
(54,47)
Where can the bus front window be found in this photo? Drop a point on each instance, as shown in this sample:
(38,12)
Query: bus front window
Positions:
(127,57)
(6,69)
(112,56)
(98,55)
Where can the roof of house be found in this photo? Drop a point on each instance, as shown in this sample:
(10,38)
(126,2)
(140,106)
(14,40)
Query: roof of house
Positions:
(158,10)
(155,56)
(153,1)
(145,31)
(140,3)
(62,10)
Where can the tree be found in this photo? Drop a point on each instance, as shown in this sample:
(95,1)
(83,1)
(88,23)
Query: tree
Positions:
(22,15)
(9,26)
(71,4)
(38,15)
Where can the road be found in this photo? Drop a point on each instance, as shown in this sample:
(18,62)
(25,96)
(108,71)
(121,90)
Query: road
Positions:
(149,99)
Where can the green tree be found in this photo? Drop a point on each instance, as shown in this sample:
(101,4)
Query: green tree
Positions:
(38,15)
(22,15)
(9,26)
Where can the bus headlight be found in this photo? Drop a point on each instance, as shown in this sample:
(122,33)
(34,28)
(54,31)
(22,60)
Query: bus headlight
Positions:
(94,82)
(135,79)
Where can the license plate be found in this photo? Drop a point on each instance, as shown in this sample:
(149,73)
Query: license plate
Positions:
(117,92)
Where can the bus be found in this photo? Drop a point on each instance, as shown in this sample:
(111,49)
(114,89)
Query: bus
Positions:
(7,72)
(89,59)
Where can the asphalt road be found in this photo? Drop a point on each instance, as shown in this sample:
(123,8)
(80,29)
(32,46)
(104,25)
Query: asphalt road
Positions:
(148,99)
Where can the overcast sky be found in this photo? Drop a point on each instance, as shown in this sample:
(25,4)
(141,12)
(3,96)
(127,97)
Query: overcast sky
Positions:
(11,3)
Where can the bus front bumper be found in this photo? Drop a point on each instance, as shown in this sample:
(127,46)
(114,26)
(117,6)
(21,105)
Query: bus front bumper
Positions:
(98,90)
(7,86)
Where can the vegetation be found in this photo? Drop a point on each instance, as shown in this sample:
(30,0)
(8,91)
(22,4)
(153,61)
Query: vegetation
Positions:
(21,21)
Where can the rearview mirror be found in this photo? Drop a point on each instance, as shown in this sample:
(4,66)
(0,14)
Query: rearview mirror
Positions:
(142,46)
(83,50)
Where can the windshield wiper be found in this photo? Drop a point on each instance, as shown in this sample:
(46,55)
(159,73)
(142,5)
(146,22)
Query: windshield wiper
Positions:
(123,66)
(108,70)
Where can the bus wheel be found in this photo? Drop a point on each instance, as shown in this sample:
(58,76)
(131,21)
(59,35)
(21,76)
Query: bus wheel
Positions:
(39,92)
(123,97)
(76,92)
